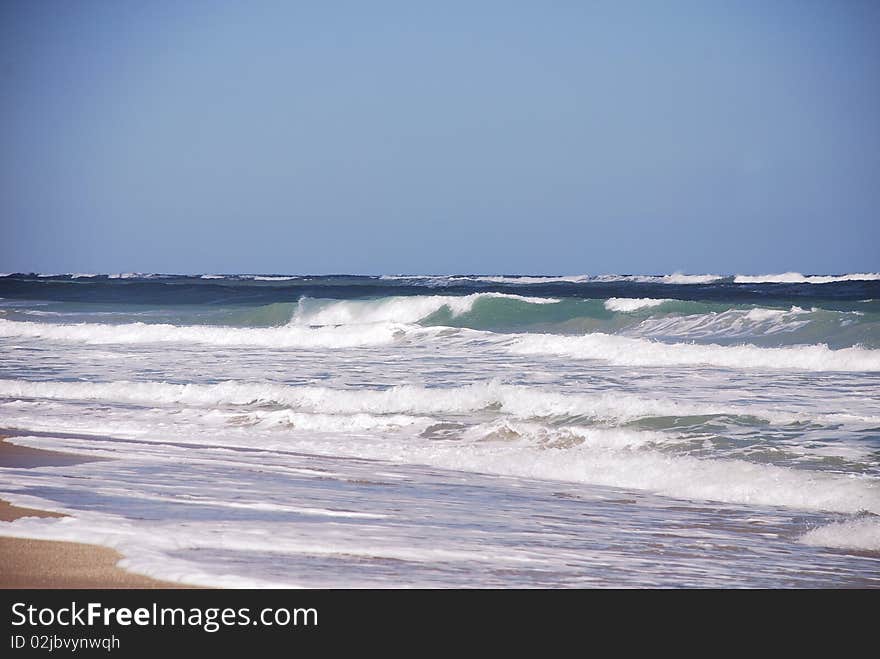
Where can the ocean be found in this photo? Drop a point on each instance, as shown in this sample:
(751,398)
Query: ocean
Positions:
(452,431)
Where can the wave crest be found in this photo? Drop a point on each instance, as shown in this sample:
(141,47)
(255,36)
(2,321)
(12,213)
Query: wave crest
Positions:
(626,351)
(628,304)
(400,309)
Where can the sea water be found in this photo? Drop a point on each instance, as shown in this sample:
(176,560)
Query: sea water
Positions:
(453,431)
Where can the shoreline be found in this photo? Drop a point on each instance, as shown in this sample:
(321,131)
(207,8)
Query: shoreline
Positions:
(52,564)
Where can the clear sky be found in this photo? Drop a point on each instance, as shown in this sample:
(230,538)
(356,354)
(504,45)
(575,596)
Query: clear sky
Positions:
(440,137)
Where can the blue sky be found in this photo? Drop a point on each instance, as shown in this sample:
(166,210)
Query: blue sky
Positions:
(440,137)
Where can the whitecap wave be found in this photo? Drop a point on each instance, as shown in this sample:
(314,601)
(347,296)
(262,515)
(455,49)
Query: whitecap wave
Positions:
(798,278)
(628,304)
(678,278)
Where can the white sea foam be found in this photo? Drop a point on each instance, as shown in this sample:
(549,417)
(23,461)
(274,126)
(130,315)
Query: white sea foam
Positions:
(627,351)
(154,549)
(400,309)
(269,337)
(760,315)
(520,401)
(798,278)
(860,534)
(733,481)
(627,304)
(330,423)
(675,278)
(516,401)
(213,276)
(613,457)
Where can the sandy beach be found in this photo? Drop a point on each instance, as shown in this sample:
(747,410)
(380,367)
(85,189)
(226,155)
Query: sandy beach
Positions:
(37,564)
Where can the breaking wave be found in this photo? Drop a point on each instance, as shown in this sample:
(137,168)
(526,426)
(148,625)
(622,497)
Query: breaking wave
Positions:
(269,337)
(402,309)
(862,533)
(627,351)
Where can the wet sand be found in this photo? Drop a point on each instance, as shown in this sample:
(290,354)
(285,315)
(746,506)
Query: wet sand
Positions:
(26,563)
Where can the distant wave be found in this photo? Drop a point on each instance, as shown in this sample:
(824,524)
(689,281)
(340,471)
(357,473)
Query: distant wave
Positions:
(798,278)
(130,275)
(679,278)
(522,279)
(676,278)
(489,279)
(252,277)
(273,278)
